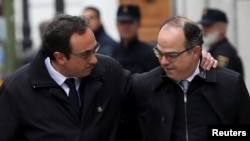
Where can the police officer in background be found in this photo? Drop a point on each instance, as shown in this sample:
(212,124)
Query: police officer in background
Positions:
(214,23)
(133,54)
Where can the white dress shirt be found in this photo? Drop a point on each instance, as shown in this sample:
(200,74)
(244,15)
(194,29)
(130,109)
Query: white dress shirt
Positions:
(190,78)
(58,77)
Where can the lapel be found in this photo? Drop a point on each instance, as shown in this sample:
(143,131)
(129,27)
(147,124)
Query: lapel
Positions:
(211,93)
(168,103)
(90,93)
(39,75)
(89,89)
(165,88)
(43,80)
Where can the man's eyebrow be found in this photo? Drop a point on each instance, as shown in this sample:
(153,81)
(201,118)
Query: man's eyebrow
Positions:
(170,52)
(90,50)
(86,52)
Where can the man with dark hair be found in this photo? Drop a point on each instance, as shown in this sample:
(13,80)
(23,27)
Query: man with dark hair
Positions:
(214,23)
(67,93)
(179,100)
(106,42)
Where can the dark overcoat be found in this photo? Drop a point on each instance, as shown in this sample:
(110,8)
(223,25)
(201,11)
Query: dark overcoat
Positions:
(34,108)
(217,97)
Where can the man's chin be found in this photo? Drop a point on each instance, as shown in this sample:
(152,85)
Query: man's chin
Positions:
(171,74)
(86,73)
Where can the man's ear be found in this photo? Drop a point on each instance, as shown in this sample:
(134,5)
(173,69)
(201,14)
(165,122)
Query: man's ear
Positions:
(223,29)
(197,51)
(60,58)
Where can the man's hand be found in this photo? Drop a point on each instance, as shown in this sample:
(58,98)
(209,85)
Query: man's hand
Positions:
(207,61)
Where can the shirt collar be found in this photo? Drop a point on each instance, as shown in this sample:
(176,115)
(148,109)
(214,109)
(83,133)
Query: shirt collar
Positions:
(58,77)
(196,72)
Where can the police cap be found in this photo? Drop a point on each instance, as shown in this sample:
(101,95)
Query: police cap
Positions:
(128,12)
(211,16)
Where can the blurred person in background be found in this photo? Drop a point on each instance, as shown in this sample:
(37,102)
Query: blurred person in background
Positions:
(106,42)
(133,54)
(214,23)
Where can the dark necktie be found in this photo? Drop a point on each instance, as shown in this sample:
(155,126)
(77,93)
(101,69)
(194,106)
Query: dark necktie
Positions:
(73,95)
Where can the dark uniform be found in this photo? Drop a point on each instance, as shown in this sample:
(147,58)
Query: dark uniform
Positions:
(137,58)
(223,51)
(106,42)
(227,56)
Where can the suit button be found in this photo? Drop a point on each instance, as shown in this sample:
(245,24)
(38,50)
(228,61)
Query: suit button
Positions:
(163,119)
(99,109)
(82,128)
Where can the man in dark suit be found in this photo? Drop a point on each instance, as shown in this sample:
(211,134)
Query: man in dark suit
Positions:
(38,102)
(179,100)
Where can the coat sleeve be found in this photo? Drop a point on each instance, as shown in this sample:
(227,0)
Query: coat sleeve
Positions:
(244,103)
(129,129)
(8,117)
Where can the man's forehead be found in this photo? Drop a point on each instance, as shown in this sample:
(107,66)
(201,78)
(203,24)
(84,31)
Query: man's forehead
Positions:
(87,34)
(170,31)
(83,40)
(89,13)
(76,37)
(171,37)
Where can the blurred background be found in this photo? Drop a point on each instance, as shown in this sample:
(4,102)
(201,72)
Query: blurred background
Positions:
(20,22)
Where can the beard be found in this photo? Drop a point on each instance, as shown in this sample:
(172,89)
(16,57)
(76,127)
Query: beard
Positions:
(211,38)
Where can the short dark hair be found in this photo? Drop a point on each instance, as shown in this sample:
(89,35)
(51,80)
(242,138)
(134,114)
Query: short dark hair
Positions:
(59,31)
(93,9)
(193,33)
